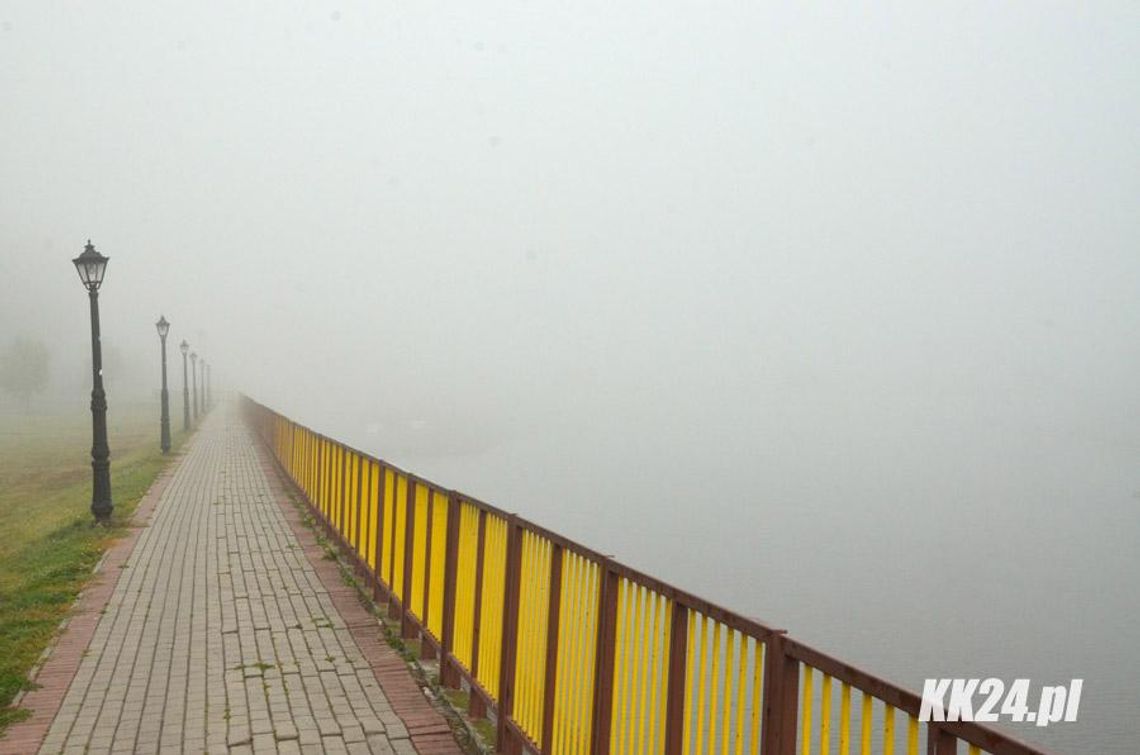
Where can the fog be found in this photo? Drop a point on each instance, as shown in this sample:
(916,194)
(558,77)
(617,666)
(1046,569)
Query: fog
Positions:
(829,314)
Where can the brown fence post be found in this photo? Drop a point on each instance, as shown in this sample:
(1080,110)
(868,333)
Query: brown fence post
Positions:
(510,635)
(940,742)
(554,606)
(781,699)
(448,673)
(675,700)
(604,660)
(407,630)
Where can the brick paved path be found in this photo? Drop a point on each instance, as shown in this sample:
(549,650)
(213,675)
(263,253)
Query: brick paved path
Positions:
(219,636)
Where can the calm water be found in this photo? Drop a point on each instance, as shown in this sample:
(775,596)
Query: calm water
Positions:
(1017,559)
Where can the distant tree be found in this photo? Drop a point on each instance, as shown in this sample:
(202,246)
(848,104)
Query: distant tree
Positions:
(24,369)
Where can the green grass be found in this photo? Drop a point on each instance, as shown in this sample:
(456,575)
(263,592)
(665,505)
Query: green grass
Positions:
(48,542)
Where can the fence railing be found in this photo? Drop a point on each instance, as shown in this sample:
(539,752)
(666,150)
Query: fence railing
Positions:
(577,653)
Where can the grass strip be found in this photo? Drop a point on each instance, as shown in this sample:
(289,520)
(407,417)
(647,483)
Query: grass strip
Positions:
(48,541)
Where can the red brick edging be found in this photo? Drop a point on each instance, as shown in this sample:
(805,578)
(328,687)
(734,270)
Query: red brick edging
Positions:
(64,656)
(429,730)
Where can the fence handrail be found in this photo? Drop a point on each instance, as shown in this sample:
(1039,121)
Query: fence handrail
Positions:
(626,608)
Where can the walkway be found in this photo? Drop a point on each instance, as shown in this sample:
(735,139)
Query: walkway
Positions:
(221,636)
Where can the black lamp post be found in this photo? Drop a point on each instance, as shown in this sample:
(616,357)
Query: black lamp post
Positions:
(185,347)
(209,384)
(164,328)
(91,266)
(194,373)
(205,405)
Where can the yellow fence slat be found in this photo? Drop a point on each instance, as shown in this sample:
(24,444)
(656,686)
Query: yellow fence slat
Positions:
(342,491)
(620,649)
(349,521)
(645,669)
(344,518)
(373,516)
(530,665)
(320,471)
(399,535)
(825,717)
(888,730)
(438,545)
(464,627)
(662,629)
(389,515)
(865,725)
(357,503)
(805,711)
(722,688)
(334,483)
(561,659)
(491,608)
(755,700)
(578,625)
(845,719)
(306,464)
(690,675)
(419,549)
(350,504)
(726,691)
(330,495)
(337,479)
(312,471)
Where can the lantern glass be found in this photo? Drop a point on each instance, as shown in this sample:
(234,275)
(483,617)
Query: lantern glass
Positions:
(184,347)
(91,266)
(163,327)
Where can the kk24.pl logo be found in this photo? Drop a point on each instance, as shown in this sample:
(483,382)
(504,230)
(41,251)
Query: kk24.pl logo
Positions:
(1058,703)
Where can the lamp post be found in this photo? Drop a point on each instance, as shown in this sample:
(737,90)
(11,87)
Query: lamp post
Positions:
(194,373)
(185,347)
(209,384)
(163,328)
(91,266)
(205,404)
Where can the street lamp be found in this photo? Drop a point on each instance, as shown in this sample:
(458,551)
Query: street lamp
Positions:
(194,373)
(163,328)
(205,406)
(91,266)
(185,347)
(209,384)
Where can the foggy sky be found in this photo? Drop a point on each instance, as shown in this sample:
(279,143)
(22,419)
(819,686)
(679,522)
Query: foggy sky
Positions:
(664,276)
